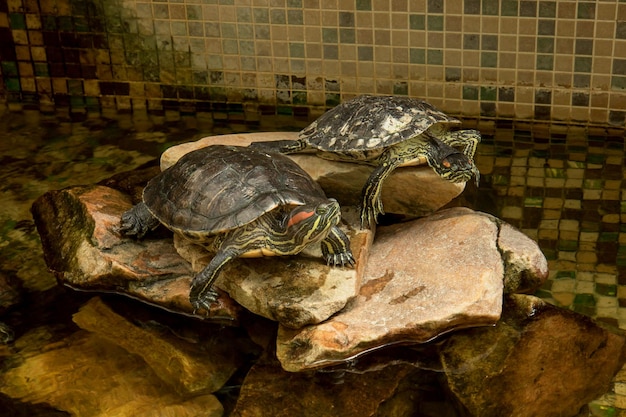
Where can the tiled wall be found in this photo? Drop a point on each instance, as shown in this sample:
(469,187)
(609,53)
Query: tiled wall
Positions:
(539,60)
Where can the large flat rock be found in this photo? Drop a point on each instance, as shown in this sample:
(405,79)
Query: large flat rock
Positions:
(423,278)
(409,192)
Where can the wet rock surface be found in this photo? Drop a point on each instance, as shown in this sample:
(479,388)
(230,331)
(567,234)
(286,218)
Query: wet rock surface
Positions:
(539,360)
(423,278)
(409,192)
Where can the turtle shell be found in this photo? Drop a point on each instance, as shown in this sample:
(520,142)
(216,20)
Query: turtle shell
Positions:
(373,122)
(219,188)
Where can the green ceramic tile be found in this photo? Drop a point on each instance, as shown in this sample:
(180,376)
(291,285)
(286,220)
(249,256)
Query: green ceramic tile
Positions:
(12,84)
(434,57)
(509,7)
(489,59)
(592,184)
(565,274)
(568,245)
(417,22)
(346,19)
(296,50)
(584,304)
(347,35)
(401,88)
(471,93)
(606,290)
(41,69)
(246,48)
(536,202)
(294,3)
(295,17)
(435,23)
(488,93)
(330,35)
(244,15)
(490,7)
(545,45)
(582,64)
(277,16)
(261,15)
(9,68)
(545,62)
(17,21)
(365,53)
(618,83)
(417,55)
(364,4)
(547,9)
(586,10)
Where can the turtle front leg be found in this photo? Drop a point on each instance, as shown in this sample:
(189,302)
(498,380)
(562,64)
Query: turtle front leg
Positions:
(467,139)
(371,201)
(336,248)
(202,294)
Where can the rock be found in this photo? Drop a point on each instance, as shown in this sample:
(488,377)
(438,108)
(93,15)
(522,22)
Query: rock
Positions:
(539,360)
(423,278)
(78,230)
(409,192)
(293,290)
(10,295)
(270,391)
(190,368)
(85,375)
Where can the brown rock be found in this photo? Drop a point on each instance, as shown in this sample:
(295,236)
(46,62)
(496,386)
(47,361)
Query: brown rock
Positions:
(409,192)
(78,229)
(423,278)
(539,360)
(190,368)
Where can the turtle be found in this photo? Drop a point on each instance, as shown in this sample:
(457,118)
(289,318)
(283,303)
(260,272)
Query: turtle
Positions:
(239,202)
(389,132)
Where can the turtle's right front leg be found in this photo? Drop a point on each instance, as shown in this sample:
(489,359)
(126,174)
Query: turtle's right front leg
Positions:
(202,294)
(371,201)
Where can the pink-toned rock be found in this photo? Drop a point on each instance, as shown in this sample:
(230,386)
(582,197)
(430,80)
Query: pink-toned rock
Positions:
(424,278)
(525,267)
(409,192)
(78,227)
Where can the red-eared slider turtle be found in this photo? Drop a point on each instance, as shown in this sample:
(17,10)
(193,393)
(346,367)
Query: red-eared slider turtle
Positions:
(239,202)
(389,132)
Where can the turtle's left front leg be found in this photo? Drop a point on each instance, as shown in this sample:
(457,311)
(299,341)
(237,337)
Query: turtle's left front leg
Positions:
(336,248)
(467,139)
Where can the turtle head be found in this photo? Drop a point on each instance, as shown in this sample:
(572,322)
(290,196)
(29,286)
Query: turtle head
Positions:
(450,163)
(310,223)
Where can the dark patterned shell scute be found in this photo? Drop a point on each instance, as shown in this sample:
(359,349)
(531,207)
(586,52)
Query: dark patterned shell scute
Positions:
(373,122)
(219,188)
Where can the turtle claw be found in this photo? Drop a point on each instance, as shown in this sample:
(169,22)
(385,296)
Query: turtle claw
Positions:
(341,259)
(204,301)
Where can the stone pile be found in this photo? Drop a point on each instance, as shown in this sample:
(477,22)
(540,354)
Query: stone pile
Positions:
(432,321)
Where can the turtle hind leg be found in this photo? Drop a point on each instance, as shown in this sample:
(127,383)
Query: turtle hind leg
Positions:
(294,146)
(138,221)
(336,248)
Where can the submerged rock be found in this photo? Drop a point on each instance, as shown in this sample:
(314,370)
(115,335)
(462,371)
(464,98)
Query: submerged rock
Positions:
(86,375)
(539,360)
(409,192)
(423,278)
(189,368)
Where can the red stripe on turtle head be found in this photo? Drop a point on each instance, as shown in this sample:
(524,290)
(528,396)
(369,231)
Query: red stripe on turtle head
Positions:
(299,216)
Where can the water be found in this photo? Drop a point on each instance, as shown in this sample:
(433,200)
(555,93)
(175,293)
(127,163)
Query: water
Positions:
(560,185)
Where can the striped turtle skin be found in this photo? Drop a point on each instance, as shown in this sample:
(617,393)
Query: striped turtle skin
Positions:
(239,202)
(389,132)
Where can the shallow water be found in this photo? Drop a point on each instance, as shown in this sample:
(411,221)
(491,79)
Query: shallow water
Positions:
(561,185)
